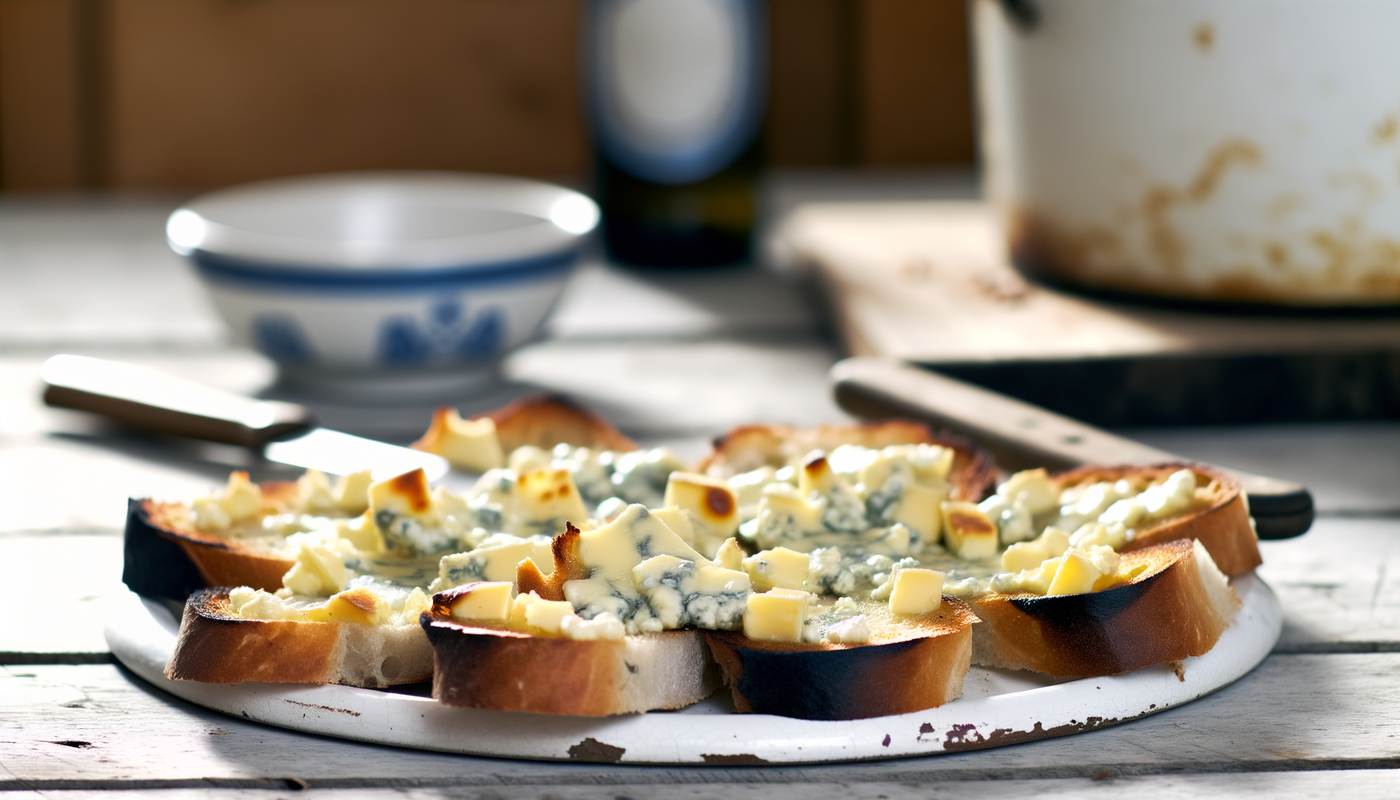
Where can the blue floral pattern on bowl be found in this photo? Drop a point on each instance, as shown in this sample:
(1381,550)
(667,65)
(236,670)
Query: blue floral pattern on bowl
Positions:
(280,338)
(446,335)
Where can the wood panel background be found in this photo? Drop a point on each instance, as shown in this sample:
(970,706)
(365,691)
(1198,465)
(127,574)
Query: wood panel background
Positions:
(191,94)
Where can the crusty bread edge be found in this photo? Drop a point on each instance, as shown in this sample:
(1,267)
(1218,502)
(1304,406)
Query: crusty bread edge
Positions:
(971,477)
(502,670)
(214,646)
(1168,613)
(1223,527)
(922,668)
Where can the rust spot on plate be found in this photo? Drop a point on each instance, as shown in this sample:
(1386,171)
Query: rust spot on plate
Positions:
(886,742)
(591,749)
(736,760)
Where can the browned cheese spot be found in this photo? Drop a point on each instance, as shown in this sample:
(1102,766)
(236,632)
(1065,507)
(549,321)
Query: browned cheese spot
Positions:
(970,523)
(719,501)
(362,599)
(413,487)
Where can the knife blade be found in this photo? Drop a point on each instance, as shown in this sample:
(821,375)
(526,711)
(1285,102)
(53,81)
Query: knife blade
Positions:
(1021,435)
(283,432)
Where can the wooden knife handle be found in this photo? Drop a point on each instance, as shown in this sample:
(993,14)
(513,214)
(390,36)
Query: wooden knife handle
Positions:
(154,401)
(1022,436)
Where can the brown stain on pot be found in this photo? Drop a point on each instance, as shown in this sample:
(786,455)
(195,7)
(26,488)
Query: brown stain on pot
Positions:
(1203,36)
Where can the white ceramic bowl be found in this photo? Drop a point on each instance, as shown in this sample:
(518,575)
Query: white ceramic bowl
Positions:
(360,279)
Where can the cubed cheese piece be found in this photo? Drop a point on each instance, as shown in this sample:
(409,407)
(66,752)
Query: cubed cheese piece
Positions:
(779,568)
(352,491)
(361,532)
(777,615)
(785,518)
(1095,534)
(547,616)
(967,533)
(209,515)
(414,605)
(317,571)
(1174,496)
(711,505)
(1033,489)
(1024,555)
(1126,512)
(916,591)
(612,550)
(748,486)
(1031,581)
(603,626)
(675,518)
(1076,575)
(815,475)
(314,490)
(730,555)
(469,445)
(919,509)
(495,560)
(528,458)
(359,606)
(545,499)
(243,498)
(488,601)
(406,495)
(248,603)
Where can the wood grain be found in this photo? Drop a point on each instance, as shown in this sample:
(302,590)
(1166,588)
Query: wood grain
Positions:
(915,83)
(39,95)
(1292,712)
(207,93)
(1361,784)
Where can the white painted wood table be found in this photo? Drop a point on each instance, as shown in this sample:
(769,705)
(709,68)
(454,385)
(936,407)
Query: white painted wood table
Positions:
(1320,716)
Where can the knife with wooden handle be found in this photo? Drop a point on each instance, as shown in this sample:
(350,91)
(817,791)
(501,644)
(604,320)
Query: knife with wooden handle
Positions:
(283,432)
(1021,436)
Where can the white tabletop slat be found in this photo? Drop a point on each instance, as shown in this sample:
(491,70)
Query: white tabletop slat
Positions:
(1351,703)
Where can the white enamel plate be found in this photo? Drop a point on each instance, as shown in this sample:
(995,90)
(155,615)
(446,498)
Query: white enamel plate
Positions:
(997,707)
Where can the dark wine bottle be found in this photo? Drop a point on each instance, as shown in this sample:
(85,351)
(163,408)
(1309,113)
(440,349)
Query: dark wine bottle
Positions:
(676,92)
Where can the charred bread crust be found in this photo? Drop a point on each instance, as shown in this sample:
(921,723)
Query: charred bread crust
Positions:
(1165,613)
(920,667)
(1222,525)
(475,666)
(547,420)
(216,646)
(568,566)
(752,446)
(163,551)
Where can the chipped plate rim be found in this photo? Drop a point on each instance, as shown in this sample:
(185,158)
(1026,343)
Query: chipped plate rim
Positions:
(998,707)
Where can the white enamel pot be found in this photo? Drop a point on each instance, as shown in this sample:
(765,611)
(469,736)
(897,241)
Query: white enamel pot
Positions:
(1220,150)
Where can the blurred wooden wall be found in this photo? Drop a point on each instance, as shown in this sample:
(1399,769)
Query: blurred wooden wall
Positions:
(184,94)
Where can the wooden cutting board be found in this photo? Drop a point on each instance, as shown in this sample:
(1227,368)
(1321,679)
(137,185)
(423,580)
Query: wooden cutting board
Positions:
(929,282)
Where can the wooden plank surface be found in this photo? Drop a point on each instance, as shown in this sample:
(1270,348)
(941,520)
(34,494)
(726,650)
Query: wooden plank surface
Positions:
(1293,712)
(1362,784)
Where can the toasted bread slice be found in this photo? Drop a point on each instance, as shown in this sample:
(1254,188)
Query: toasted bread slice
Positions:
(476,666)
(166,556)
(916,664)
(548,420)
(217,646)
(1174,607)
(752,446)
(1219,520)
